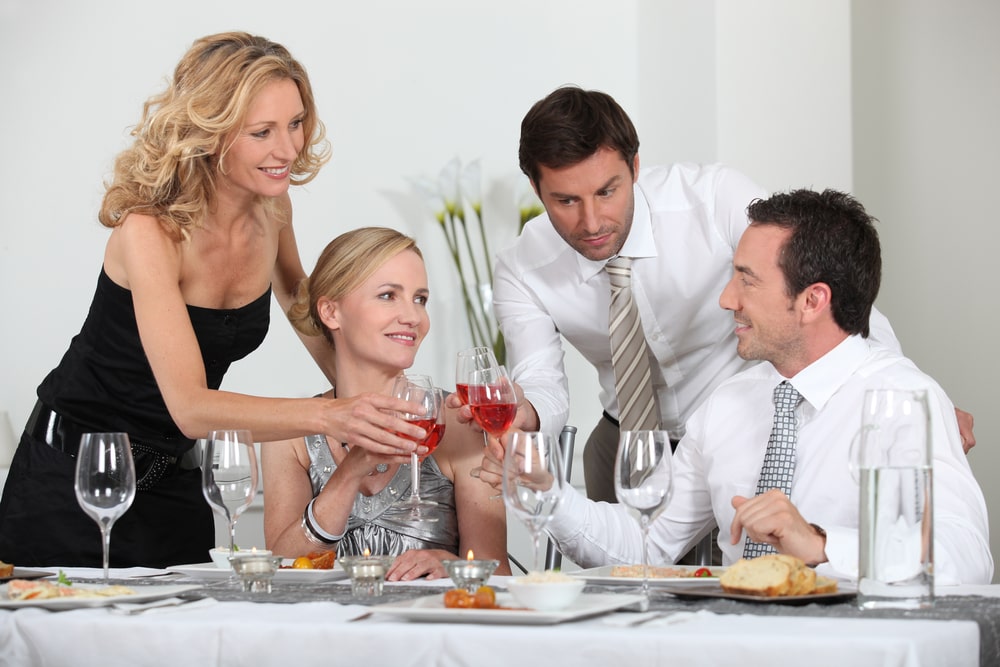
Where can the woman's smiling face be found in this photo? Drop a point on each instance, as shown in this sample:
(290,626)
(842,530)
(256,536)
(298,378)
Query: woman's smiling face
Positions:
(385,319)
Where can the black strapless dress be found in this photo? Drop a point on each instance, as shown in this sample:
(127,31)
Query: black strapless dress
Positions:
(104,383)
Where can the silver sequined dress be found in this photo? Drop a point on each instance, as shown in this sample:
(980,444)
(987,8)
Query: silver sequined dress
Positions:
(379,524)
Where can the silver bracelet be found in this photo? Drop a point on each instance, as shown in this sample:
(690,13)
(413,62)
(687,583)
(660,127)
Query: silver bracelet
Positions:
(313,530)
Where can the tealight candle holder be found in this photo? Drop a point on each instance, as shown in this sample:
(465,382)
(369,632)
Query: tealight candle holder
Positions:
(470,574)
(255,570)
(367,574)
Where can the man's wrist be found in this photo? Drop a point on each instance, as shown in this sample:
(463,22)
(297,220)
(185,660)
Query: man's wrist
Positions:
(818,530)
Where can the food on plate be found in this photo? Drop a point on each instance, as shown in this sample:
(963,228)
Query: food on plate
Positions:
(315,560)
(459,598)
(659,572)
(774,575)
(20,589)
(6,569)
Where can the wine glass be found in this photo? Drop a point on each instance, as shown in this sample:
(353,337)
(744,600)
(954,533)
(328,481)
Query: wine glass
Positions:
(533,482)
(105,481)
(492,400)
(229,475)
(420,389)
(469,361)
(643,482)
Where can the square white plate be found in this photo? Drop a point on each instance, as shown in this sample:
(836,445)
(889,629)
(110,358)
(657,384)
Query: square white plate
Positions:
(211,572)
(430,608)
(602,575)
(142,594)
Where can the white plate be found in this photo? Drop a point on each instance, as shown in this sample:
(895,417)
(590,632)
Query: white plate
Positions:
(602,575)
(431,608)
(211,572)
(846,591)
(142,594)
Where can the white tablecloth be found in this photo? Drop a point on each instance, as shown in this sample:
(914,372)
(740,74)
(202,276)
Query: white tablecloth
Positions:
(296,635)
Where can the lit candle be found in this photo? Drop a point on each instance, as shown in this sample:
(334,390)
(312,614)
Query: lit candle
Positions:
(367,573)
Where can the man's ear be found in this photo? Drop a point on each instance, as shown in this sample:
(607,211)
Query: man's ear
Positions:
(329,313)
(635,168)
(816,300)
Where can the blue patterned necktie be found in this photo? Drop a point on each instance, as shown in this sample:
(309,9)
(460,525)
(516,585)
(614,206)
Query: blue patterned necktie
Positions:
(779,459)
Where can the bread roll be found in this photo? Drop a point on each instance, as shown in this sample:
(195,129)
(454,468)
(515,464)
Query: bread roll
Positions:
(774,575)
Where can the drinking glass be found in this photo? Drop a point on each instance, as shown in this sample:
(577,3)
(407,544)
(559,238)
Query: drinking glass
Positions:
(643,482)
(420,389)
(533,481)
(492,400)
(105,481)
(469,361)
(896,535)
(229,475)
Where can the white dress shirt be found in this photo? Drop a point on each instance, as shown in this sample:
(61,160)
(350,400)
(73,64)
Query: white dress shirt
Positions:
(687,222)
(721,456)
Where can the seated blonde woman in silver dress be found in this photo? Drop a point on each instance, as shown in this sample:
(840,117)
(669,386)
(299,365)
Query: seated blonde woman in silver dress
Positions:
(367,296)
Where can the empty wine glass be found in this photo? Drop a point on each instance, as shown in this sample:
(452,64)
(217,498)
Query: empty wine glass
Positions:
(420,389)
(533,482)
(105,481)
(229,475)
(643,482)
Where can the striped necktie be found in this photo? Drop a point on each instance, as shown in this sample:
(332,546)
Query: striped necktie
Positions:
(779,459)
(637,409)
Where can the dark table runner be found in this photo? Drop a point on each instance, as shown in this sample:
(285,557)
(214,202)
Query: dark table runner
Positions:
(985,611)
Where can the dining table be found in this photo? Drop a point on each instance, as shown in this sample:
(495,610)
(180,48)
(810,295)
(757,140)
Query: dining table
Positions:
(187,619)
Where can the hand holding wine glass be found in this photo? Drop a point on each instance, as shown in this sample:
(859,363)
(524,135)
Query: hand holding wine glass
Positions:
(533,482)
(229,475)
(420,389)
(105,481)
(643,482)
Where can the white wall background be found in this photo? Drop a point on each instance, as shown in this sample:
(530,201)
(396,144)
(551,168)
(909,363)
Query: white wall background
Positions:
(895,100)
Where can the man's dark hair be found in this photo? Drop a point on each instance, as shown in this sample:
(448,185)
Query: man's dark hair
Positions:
(570,125)
(833,240)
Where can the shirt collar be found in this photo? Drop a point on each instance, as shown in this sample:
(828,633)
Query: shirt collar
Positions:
(640,241)
(821,379)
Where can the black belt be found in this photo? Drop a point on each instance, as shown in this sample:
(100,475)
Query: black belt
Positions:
(63,434)
(673,442)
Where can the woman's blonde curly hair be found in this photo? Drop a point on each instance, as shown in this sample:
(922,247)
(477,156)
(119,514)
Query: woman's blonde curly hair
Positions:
(171,168)
(343,266)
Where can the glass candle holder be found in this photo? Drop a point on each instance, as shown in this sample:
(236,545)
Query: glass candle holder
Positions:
(470,574)
(255,570)
(367,574)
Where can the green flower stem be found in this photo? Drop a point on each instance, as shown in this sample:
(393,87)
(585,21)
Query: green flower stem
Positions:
(487,255)
(479,336)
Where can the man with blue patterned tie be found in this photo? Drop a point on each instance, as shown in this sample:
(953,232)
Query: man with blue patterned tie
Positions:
(766,455)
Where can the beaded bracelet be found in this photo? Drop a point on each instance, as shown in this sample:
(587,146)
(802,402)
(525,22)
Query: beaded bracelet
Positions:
(313,529)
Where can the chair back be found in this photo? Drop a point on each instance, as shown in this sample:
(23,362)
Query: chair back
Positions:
(567,441)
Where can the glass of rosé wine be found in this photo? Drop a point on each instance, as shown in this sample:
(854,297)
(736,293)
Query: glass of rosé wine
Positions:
(492,400)
(420,389)
(469,361)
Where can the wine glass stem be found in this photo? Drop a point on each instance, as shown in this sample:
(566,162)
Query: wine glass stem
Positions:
(536,539)
(644,521)
(232,537)
(106,541)
(415,478)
